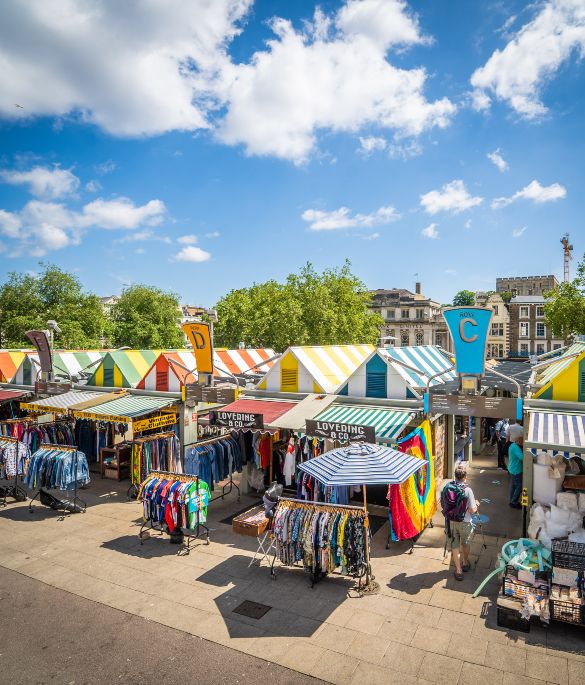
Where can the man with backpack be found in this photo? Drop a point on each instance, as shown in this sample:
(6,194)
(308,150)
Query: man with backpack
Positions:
(458,504)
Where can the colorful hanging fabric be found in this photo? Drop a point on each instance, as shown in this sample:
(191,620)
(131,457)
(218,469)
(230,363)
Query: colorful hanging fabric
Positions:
(414,502)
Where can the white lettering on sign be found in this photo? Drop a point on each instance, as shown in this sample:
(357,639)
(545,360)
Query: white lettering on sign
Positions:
(340,427)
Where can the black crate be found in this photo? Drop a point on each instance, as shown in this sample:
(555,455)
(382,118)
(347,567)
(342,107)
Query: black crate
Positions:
(566,611)
(509,618)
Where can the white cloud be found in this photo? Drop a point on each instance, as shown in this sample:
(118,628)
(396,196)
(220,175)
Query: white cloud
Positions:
(106,167)
(130,68)
(370,144)
(142,236)
(41,227)
(407,150)
(343,218)
(518,73)
(187,239)
(430,231)
(42,182)
(453,197)
(213,234)
(93,186)
(535,192)
(332,76)
(192,254)
(518,232)
(497,160)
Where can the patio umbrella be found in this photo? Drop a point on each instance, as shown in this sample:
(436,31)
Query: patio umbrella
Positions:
(362,464)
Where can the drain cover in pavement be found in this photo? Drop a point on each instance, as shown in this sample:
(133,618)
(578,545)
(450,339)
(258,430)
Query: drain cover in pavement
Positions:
(252,609)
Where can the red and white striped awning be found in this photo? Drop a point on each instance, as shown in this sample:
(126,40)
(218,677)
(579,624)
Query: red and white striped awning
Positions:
(240,361)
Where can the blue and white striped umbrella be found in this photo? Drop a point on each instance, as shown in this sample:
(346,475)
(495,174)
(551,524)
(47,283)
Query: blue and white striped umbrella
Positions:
(362,464)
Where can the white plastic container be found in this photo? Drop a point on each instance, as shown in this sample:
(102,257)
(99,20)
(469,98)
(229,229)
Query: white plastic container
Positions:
(545,488)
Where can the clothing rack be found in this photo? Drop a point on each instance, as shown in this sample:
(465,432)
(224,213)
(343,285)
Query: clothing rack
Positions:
(132,492)
(15,491)
(187,532)
(231,483)
(71,506)
(154,436)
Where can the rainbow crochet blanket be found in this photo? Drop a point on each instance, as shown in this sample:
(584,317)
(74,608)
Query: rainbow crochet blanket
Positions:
(413,503)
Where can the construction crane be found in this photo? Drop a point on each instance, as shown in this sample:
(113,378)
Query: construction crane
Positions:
(567,256)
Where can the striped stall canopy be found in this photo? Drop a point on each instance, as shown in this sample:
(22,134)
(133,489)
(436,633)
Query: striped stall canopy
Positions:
(388,423)
(127,407)
(362,464)
(61,403)
(66,363)
(558,432)
(123,368)
(426,359)
(331,365)
(10,361)
(240,361)
(547,373)
(166,374)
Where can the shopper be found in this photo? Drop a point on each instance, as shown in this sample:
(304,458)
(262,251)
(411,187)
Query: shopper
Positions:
(502,438)
(515,468)
(458,504)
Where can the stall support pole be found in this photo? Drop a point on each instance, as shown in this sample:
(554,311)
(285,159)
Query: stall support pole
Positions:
(369,587)
(270,473)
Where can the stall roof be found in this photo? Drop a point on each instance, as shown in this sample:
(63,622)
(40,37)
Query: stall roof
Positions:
(123,368)
(10,361)
(307,408)
(271,411)
(520,371)
(127,407)
(388,423)
(241,360)
(546,375)
(426,359)
(64,401)
(562,432)
(7,395)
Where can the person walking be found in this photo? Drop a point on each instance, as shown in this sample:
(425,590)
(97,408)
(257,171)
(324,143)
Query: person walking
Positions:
(459,504)
(515,468)
(502,438)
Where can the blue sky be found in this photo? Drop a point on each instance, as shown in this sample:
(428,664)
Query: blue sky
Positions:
(200,146)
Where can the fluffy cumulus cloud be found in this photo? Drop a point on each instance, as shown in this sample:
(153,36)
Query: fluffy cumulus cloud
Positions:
(343,217)
(453,197)
(187,239)
(333,75)
(61,57)
(518,73)
(535,192)
(430,232)
(43,182)
(192,254)
(497,160)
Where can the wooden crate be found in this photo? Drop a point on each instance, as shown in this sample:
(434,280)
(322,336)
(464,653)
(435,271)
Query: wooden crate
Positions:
(242,525)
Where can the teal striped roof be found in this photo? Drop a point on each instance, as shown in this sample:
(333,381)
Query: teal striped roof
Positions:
(388,423)
(549,372)
(426,359)
(130,406)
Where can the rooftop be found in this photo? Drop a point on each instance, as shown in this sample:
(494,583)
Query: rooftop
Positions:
(527,299)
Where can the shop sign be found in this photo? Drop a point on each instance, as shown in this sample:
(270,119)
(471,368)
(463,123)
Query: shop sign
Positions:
(41,342)
(211,431)
(232,419)
(154,422)
(473,405)
(194,392)
(344,432)
(51,388)
(200,336)
(469,329)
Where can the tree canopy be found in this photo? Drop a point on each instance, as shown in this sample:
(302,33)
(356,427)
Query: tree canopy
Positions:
(564,309)
(309,308)
(29,301)
(146,318)
(464,298)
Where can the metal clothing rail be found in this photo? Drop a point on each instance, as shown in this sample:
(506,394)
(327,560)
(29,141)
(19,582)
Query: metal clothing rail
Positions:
(70,506)
(187,532)
(15,491)
(231,485)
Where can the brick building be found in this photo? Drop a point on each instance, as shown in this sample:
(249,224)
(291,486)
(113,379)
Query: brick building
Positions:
(526,285)
(529,335)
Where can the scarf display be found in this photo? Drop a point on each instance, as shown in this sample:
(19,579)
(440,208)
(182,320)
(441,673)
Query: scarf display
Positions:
(413,503)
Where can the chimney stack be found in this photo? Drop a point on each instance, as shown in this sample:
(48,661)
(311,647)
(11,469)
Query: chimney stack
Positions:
(417,288)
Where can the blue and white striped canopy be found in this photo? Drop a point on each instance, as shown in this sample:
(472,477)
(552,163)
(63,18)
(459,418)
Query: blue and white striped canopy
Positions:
(558,432)
(362,464)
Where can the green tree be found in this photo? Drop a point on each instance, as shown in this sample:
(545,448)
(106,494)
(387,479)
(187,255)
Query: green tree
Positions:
(147,318)
(28,302)
(464,298)
(309,308)
(506,295)
(564,309)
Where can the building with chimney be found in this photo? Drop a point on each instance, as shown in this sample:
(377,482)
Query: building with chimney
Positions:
(410,318)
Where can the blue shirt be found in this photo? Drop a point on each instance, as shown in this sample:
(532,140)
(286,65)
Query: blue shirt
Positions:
(515,455)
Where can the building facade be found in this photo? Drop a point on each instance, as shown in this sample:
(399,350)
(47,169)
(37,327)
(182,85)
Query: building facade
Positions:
(529,334)
(498,340)
(409,318)
(526,285)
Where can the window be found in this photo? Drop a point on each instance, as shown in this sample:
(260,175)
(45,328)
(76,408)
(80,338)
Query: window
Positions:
(420,313)
(439,339)
(404,339)
(540,330)
(419,338)
(524,348)
(557,346)
(540,348)
(495,309)
(498,329)
(523,330)
(405,314)
(540,311)
(524,312)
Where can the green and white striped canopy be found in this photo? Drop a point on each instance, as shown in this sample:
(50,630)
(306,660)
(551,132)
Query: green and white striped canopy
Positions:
(388,423)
